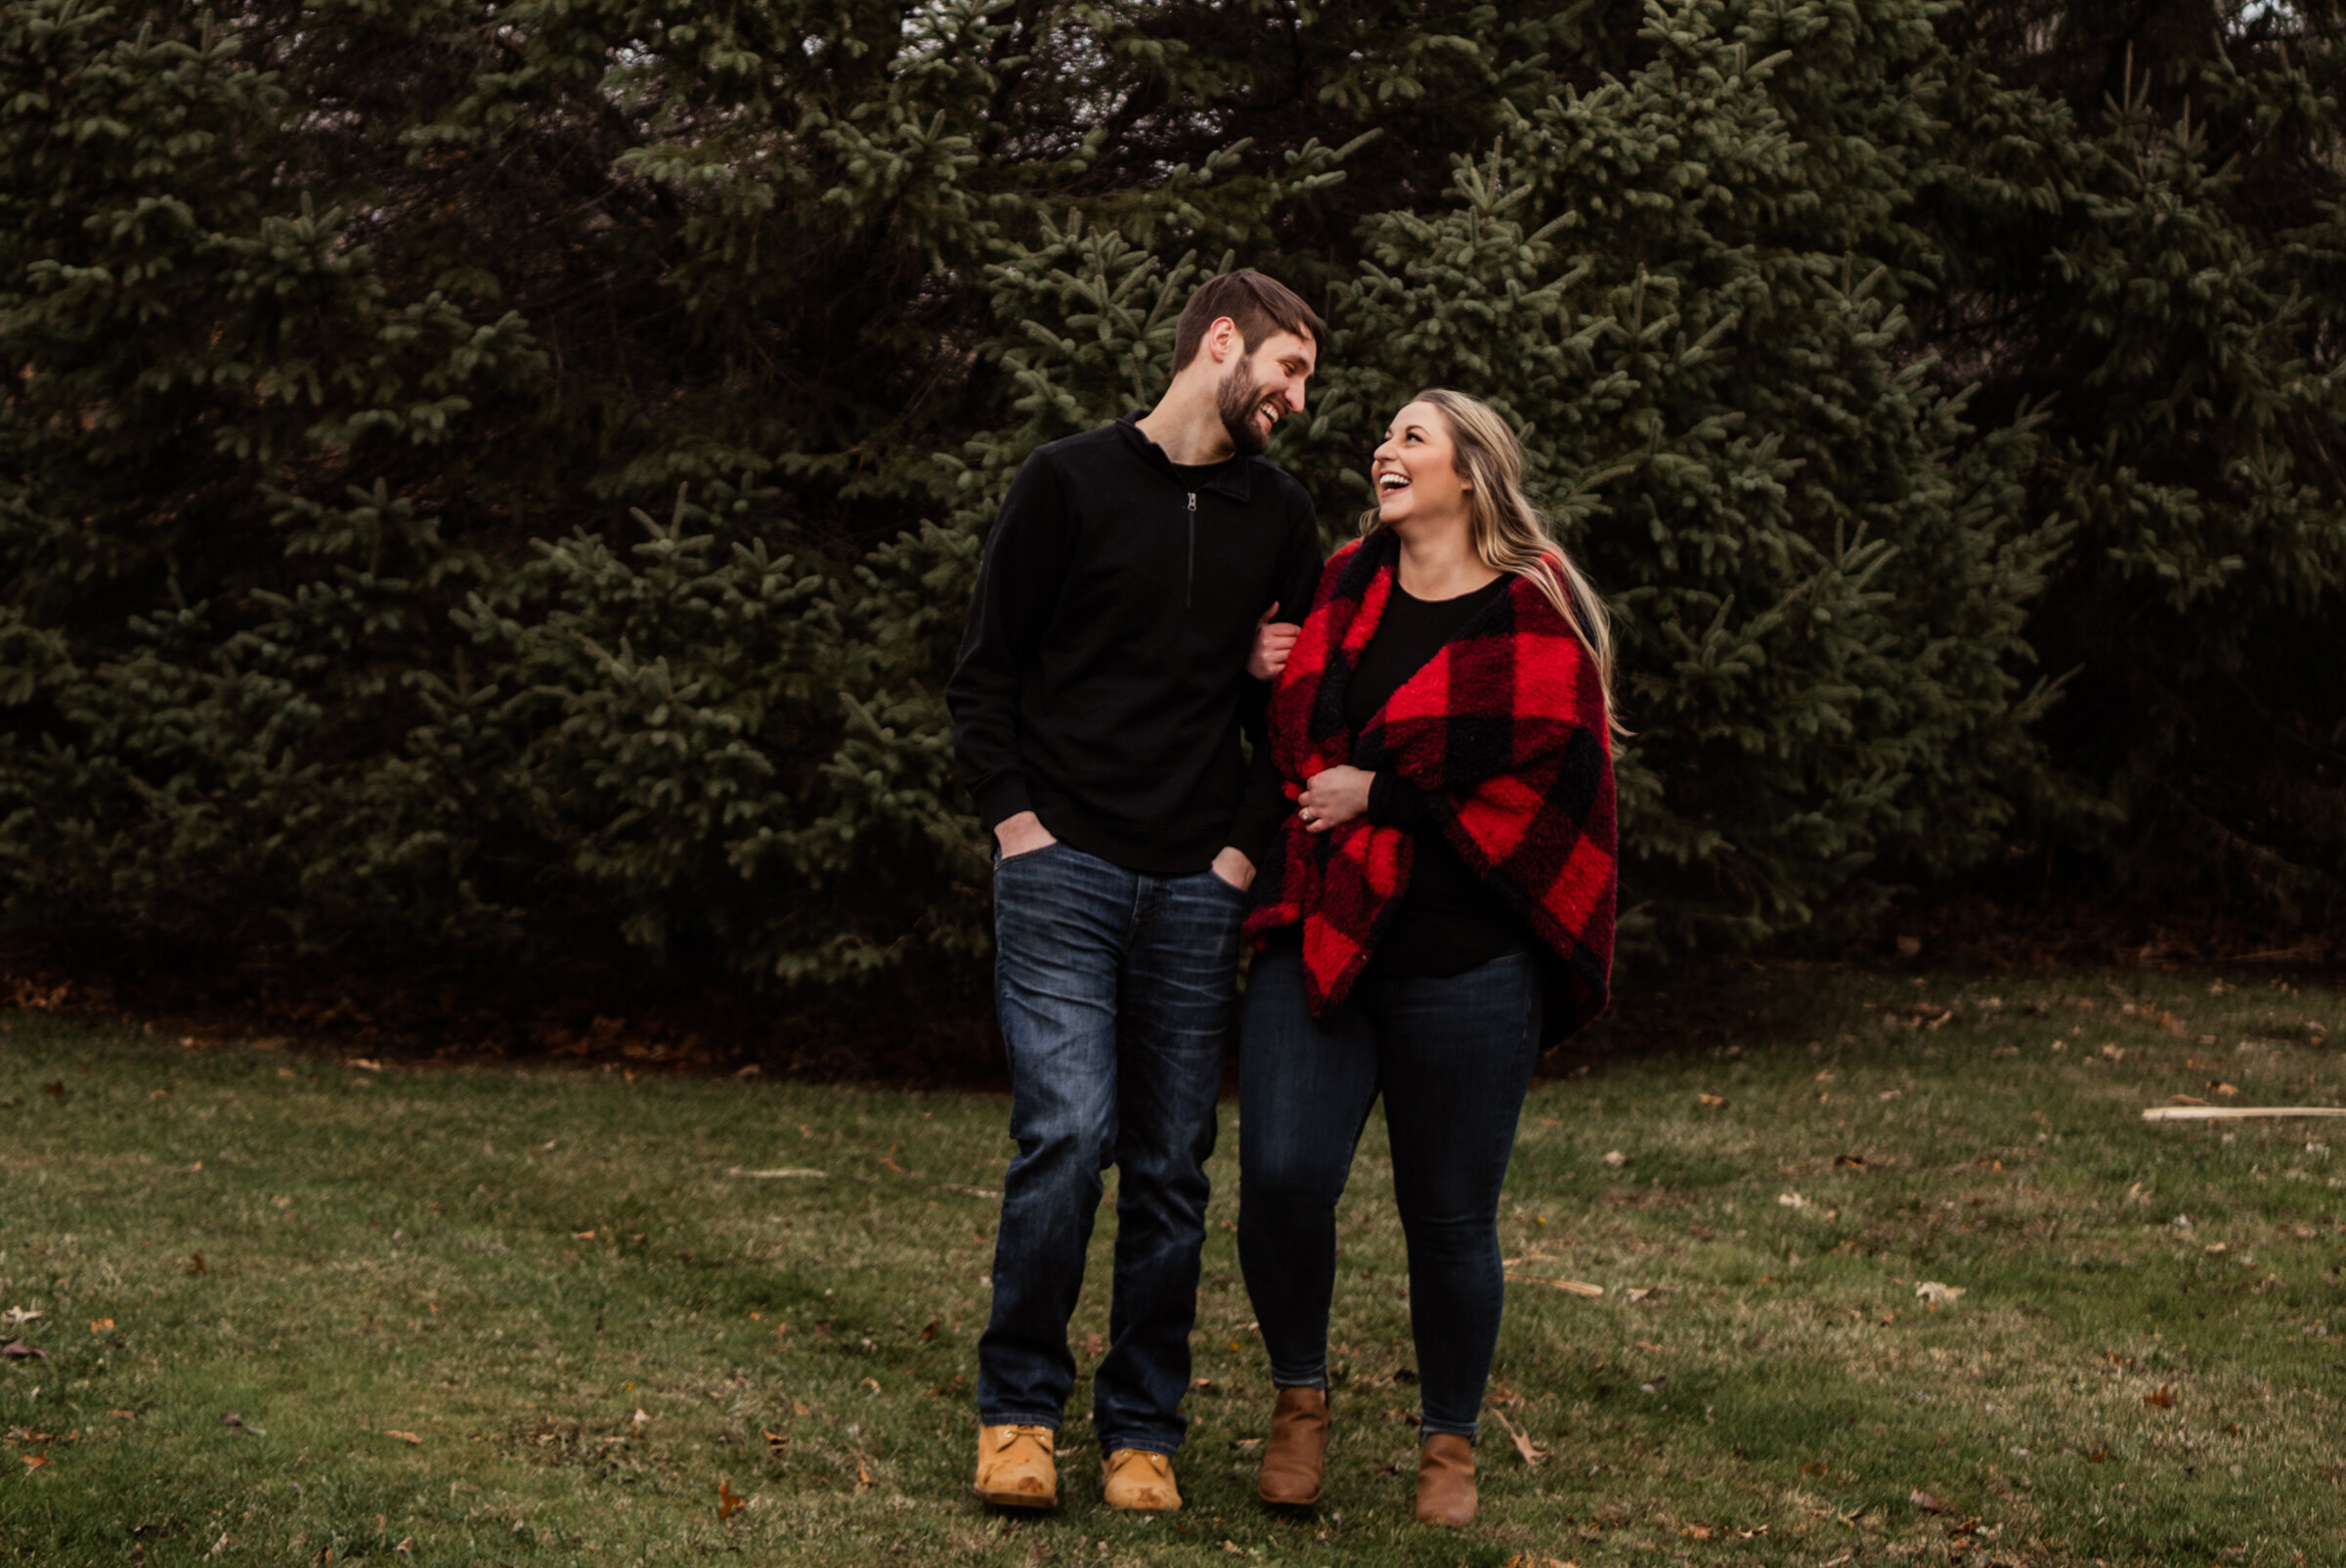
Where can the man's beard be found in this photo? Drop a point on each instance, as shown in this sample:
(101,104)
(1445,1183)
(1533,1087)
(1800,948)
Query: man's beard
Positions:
(1238,400)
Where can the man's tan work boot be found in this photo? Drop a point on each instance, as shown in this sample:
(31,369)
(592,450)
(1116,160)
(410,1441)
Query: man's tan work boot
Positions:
(1138,1481)
(1446,1480)
(1297,1450)
(1015,1467)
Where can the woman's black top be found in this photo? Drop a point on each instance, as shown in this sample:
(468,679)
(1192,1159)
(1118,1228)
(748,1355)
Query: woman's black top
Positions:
(1447,922)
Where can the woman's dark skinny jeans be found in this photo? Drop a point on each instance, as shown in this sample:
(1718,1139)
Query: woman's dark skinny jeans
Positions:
(1453,1058)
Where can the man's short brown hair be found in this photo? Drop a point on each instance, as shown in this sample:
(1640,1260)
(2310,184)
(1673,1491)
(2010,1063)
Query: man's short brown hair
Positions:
(1259,307)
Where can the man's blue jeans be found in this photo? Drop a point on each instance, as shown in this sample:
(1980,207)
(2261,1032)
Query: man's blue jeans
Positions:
(1114,990)
(1452,1059)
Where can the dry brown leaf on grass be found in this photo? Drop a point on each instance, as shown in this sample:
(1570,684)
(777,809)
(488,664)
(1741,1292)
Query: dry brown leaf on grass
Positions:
(863,1475)
(19,1350)
(1712,1099)
(409,1438)
(2160,1398)
(1523,1444)
(197,1265)
(1926,1501)
(1696,1532)
(728,1504)
(1526,1560)
(33,1461)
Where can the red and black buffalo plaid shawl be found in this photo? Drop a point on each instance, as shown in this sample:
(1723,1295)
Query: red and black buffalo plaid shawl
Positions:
(1503,728)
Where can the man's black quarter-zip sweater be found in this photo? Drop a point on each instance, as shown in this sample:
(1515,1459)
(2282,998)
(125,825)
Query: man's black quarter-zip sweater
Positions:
(1103,676)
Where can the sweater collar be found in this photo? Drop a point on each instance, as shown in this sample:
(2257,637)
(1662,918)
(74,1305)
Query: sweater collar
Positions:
(1231,479)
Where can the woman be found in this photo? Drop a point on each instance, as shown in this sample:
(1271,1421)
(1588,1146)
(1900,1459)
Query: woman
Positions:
(1443,889)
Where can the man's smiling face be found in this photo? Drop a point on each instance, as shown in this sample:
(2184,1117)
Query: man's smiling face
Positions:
(1263,388)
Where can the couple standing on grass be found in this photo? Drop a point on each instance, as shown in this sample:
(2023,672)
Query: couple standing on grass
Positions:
(1421,850)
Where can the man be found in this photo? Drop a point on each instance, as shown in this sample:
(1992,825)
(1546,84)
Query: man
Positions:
(1097,708)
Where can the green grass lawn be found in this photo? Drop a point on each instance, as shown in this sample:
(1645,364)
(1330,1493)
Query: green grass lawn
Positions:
(291,1305)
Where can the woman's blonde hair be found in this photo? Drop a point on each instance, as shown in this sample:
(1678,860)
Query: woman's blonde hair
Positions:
(1511,534)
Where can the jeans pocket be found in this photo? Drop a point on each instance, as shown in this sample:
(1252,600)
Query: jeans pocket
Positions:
(1001,859)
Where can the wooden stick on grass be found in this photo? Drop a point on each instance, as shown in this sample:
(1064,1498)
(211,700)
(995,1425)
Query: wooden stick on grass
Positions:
(2237,1112)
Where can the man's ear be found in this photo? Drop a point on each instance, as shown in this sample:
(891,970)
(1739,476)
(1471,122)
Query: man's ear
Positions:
(1221,340)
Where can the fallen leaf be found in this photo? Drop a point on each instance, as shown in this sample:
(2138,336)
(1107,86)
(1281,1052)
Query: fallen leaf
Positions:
(33,1461)
(236,1423)
(1850,1162)
(98,1326)
(1814,1467)
(775,1441)
(1696,1532)
(1792,1200)
(641,1419)
(1614,1157)
(929,1332)
(197,1265)
(2227,1090)
(1938,1294)
(364,1065)
(727,1505)
(409,1438)
(56,1086)
(1926,1501)
(2160,1398)
(863,1475)
(1523,1445)
(1713,1099)
(1889,1094)
(19,1350)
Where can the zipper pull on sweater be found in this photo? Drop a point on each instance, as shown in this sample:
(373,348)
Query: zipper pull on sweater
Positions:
(1188,590)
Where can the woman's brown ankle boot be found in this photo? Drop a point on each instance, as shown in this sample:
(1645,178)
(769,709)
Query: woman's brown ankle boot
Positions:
(1298,1449)
(1446,1480)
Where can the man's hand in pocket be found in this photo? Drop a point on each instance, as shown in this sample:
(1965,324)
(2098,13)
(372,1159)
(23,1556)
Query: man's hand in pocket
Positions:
(1024,834)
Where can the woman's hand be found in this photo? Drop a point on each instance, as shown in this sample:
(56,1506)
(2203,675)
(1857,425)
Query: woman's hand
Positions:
(1334,796)
(1273,640)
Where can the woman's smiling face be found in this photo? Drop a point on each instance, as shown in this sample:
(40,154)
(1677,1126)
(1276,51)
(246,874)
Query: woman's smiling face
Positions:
(1414,470)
